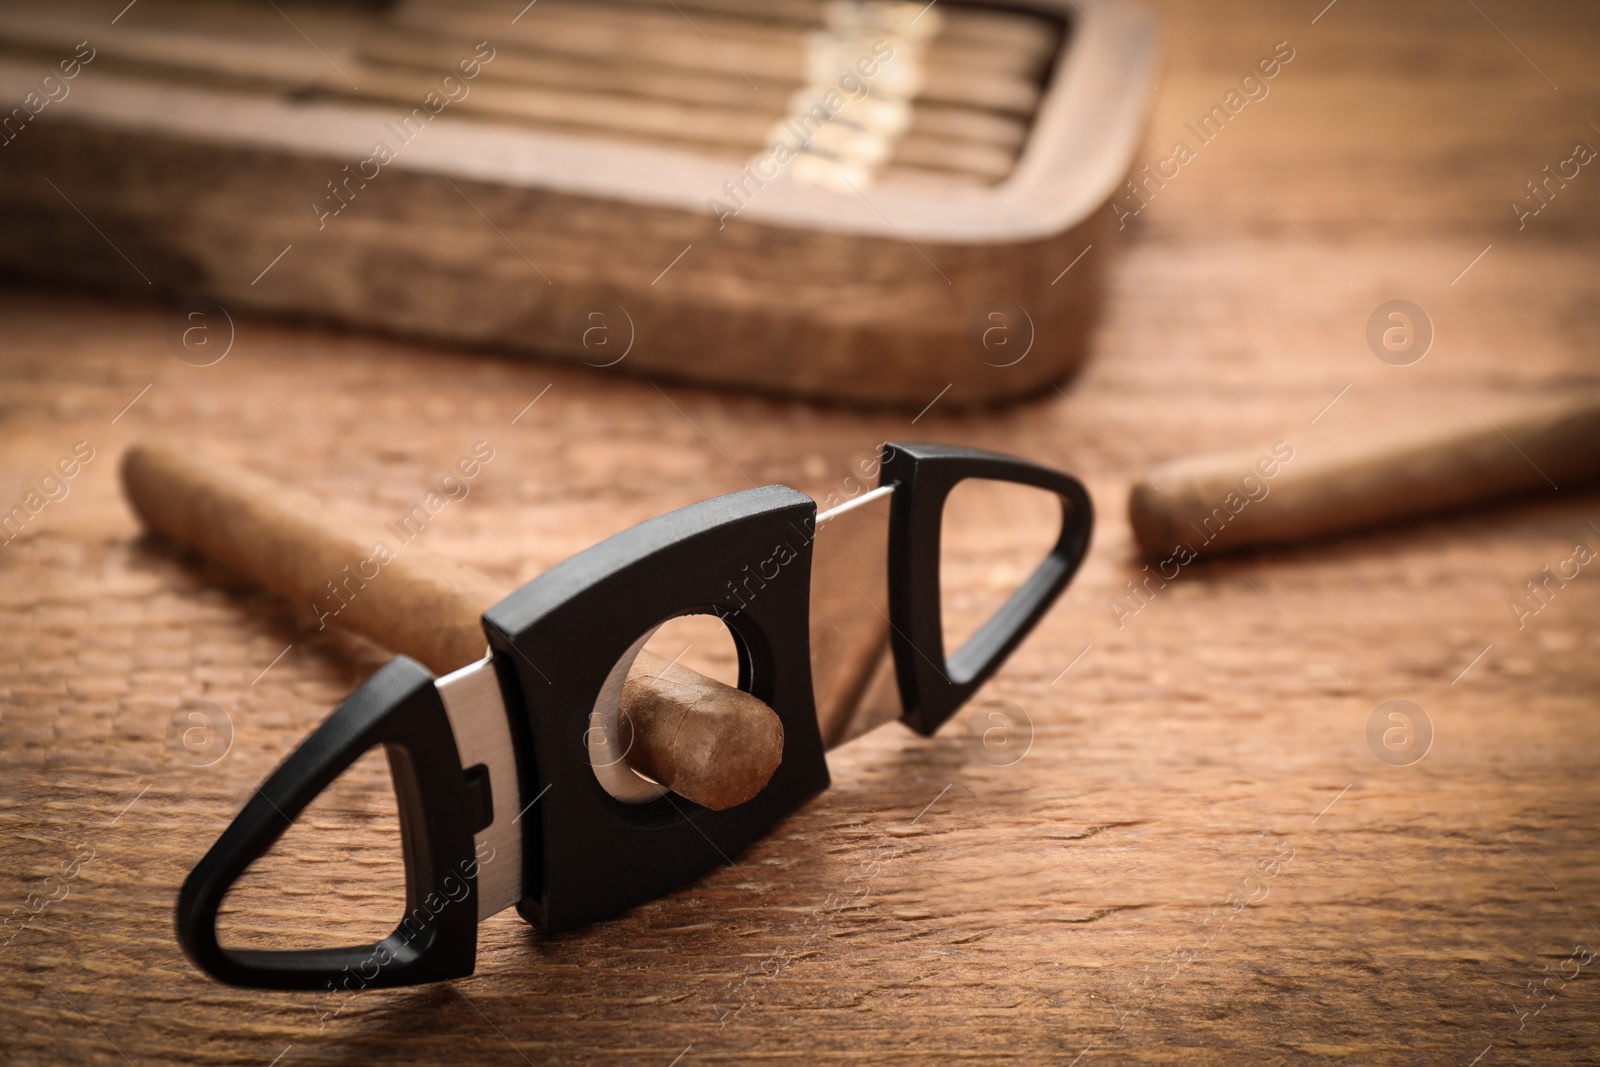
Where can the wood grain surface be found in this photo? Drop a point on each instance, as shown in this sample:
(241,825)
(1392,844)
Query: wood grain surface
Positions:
(1199,859)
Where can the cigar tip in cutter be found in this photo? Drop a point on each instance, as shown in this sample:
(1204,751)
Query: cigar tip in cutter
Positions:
(510,786)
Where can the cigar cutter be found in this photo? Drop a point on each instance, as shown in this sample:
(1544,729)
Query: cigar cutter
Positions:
(506,799)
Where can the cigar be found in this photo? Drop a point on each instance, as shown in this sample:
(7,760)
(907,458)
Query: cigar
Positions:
(739,132)
(714,744)
(760,48)
(684,107)
(643,73)
(409,62)
(1030,33)
(1289,492)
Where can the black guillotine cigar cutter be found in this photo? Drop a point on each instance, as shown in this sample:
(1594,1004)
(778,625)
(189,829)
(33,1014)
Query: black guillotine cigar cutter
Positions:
(503,797)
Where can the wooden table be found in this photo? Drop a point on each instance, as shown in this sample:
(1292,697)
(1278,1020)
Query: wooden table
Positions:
(1200,859)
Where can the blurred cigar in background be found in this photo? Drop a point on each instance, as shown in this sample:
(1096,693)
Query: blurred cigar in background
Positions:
(723,79)
(987,59)
(1294,492)
(950,99)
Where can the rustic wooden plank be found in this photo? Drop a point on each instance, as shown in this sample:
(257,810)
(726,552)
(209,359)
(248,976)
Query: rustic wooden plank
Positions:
(1021,913)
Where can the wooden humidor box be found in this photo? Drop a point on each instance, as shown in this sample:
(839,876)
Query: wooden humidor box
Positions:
(584,191)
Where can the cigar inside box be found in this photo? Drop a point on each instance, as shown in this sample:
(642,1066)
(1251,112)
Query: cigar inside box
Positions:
(833,198)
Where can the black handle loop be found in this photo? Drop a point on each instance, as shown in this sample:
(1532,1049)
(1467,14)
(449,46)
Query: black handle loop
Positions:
(400,708)
(932,687)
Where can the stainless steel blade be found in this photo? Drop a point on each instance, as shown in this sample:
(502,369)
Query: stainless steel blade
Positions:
(852,674)
(477,714)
